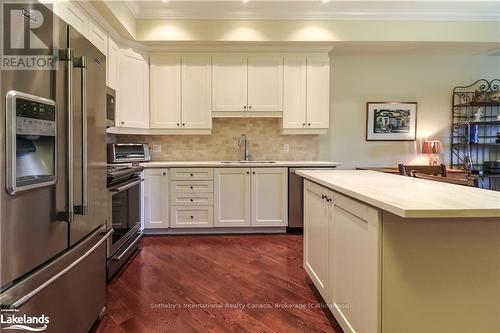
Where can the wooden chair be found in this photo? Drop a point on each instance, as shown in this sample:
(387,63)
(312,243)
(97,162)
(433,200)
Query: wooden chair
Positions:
(471,181)
(433,170)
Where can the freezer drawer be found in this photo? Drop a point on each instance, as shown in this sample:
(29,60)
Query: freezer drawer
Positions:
(73,300)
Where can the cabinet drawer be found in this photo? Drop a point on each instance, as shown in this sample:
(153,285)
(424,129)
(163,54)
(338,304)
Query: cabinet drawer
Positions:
(197,199)
(191,217)
(186,186)
(191,174)
(356,208)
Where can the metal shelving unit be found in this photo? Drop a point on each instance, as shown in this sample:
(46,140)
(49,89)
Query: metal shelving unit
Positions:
(467,153)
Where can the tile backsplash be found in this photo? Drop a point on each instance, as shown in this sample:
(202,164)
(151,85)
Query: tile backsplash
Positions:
(263,134)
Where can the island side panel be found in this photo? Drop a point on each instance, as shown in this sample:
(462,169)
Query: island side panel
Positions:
(440,275)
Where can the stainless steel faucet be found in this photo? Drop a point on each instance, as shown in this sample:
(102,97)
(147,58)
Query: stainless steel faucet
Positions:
(244,142)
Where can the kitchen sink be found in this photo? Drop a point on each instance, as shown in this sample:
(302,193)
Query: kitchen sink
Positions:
(239,162)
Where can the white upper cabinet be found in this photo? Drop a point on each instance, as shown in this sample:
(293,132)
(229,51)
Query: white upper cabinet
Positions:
(196,79)
(294,109)
(112,64)
(318,92)
(98,37)
(306,94)
(181,92)
(253,83)
(165,75)
(269,197)
(265,83)
(133,90)
(229,83)
(75,16)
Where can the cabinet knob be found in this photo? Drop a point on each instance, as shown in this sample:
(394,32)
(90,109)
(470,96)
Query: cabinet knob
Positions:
(164,173)
(183,124)
(303,124)
(323,196)
(123,123)
(244,107)
(191,200)
(190,187)
(253,172)
(192,217)
(191,175)
(178,124)
(309,124)
(250,107)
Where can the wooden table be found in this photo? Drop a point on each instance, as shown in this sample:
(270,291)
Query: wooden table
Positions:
(456,173)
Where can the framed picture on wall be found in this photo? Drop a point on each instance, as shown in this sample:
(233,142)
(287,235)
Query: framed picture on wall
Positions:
(391,121)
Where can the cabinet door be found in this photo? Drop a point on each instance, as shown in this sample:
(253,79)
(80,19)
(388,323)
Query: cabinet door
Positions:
(76,17)
(156,198)
(316,224)
(98,37)
(197,92)
(269,197)
(165,87)
(132,103)
(318,92)
(229,83)
(355,273)
(294,100)
(232,197)
(112,64)
(265,83)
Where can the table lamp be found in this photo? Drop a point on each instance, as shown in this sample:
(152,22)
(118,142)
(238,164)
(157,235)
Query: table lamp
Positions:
(433,148)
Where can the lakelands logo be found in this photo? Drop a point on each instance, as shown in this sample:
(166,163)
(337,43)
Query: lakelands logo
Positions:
(29,37)
(13,321)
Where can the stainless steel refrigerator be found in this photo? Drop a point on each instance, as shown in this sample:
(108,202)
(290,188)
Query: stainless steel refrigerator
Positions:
(53,196)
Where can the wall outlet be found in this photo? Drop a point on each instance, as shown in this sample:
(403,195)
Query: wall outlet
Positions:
(156,148)
(286,148)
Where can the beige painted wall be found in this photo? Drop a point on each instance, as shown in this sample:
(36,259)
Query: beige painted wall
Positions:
(426,79)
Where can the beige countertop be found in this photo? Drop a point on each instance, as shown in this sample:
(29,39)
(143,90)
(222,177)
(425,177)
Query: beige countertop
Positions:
(236,164)
(409,197)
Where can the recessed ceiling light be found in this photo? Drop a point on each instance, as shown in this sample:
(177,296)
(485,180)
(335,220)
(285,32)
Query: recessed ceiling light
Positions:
(324,1)
(244,1)
(164,0)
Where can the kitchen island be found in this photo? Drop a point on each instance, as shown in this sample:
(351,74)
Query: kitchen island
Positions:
(398,254)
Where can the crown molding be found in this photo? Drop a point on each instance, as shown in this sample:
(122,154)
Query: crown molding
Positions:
(315,10)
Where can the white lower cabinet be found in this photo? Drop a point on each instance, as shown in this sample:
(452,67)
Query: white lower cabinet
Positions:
(256,197)
(317,221)
(342,255)
(192,216)
(191,198)
(232,197)
(156,198)
(269,197)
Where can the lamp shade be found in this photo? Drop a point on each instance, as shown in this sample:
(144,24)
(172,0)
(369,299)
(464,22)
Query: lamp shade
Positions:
(431,147)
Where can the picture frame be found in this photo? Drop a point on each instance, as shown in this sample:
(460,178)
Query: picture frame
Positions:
(391,121)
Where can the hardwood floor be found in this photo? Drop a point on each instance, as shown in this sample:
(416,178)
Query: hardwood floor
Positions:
(216,284)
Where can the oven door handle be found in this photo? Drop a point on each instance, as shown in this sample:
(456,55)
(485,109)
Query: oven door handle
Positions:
(126,187)
(128,248)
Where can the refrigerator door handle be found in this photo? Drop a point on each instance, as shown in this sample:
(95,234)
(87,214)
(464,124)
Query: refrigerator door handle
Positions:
(19,302)
(66,55)
(81,63)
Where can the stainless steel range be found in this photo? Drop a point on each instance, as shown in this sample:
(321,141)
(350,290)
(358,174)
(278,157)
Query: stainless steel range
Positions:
(124,185)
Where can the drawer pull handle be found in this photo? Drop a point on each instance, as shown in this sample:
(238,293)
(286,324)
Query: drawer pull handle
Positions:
(191,200)
(192,175)
(192,217)
(190,187)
